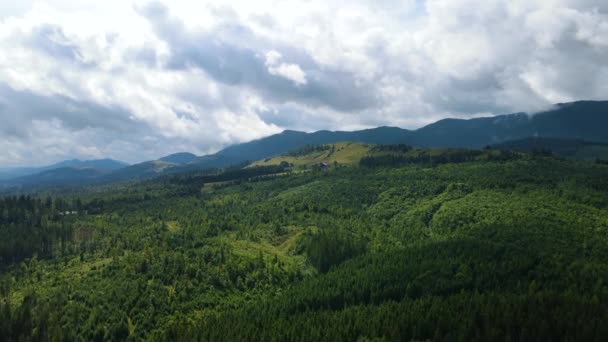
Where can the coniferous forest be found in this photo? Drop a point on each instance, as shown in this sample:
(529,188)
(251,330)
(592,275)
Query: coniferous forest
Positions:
(468,245)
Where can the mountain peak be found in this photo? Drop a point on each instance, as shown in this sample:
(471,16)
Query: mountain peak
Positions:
(102,164)
(179,158)
(291,132)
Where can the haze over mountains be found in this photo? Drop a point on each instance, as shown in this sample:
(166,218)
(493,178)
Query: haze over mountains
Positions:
(100,164)
(577,121)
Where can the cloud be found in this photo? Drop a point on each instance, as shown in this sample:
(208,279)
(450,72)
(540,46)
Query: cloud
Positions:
(52,40)
(291,72)
(232,54)
(41,129)
(138,80)
(21,107)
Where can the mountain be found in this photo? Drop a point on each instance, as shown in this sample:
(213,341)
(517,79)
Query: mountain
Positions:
(174,163)
(583,120)
(566,148)
(179,158)
(288,140)
(283,142)
(57,177)
(99,164)
(578,120)
(144,170)
(10,173)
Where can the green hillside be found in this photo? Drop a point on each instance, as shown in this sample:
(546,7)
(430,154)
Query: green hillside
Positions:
(353,153)
(345,153)
(406,244)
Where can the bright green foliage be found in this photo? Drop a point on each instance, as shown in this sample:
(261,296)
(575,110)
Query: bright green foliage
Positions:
(467,246)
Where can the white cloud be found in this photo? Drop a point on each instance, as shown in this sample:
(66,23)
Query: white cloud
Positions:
(291,72)
(136,80)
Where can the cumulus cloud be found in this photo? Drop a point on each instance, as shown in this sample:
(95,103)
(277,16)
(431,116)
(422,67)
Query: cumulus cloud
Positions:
(233,54)
(138,80)
(289,71)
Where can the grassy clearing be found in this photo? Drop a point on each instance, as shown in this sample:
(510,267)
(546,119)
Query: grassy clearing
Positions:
(344,153)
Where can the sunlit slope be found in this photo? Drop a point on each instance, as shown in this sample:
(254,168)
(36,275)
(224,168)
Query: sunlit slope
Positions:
(342,153)
(351,153)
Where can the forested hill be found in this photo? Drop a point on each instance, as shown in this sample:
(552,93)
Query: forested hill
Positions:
(450,244)
(579,120)
(567,148)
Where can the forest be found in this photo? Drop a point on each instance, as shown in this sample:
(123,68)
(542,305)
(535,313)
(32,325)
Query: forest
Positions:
(456,245)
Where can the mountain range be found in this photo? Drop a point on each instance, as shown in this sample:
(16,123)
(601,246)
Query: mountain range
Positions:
(100,164)
(583,120)
(577,121)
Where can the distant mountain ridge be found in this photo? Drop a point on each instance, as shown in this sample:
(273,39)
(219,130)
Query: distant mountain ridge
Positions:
(102,164)
(288,140)
(582,120)
(59,177)
(99,164)
(586,120)
(179,158)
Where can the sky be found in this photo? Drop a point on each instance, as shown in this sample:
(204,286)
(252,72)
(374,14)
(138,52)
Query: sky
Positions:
(136,80)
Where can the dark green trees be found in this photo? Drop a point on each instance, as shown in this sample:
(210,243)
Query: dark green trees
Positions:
(30,226)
